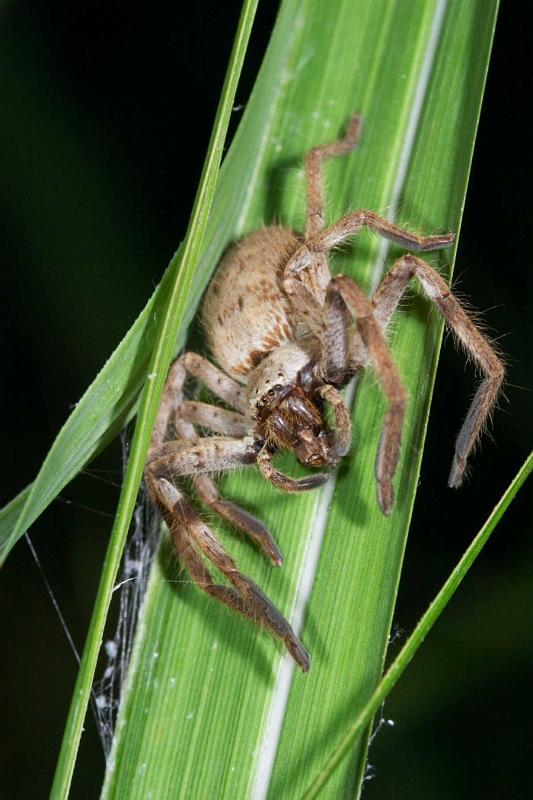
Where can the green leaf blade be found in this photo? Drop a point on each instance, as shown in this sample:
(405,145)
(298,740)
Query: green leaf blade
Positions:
(433,198)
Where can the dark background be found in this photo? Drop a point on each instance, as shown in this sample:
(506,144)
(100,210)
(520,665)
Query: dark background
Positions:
(106,113)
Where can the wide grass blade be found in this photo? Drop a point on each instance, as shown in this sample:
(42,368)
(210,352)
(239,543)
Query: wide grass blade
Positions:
(182,271)
(212,707)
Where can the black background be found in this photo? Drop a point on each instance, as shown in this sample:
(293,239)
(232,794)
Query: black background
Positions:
(107,110)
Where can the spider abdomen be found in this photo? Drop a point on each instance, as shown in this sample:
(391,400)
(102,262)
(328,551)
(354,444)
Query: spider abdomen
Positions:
(245,313)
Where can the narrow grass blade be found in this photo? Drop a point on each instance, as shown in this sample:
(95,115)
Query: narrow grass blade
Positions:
(419,634)
(100,414)
(183,270)
(212,707)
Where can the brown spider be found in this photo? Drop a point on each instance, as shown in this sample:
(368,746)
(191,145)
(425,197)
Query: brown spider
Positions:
(282,330)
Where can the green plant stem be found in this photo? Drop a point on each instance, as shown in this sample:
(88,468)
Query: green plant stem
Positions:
(183,266)
(419,634)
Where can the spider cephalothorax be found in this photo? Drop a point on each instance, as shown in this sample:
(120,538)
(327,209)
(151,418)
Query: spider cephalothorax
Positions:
(286,337)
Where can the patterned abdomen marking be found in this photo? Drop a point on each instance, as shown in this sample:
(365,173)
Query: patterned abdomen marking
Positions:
(245,313)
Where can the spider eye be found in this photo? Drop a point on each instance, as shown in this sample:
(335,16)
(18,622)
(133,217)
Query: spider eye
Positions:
(270,392)
(278,386)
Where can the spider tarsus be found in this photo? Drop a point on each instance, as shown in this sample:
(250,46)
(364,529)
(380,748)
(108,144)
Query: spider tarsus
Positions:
(457,472)
(273,552)
(287,484)
(385,498)
(311,482)
(353,131)
(298,652)
(268,614)
(437,242)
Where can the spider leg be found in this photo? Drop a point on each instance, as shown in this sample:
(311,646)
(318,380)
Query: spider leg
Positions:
(374,342)
(308,290)
(217,381)
(313,166)
(343,424)
(336,339)
(239,518)
(470,337)
(213,454)
(283,482)
(214,418)
(202,369)
(246,597)
(351,224)
(231,512)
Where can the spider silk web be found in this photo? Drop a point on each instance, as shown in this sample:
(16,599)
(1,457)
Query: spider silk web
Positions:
(130,587)
(128,598)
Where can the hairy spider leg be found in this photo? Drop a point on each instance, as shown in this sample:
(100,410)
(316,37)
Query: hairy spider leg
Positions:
(385,302)
(314,172)
(310,288)
(189,532)
(350,225)
(342,434)
(378,354)
(237,517)
(213,378)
